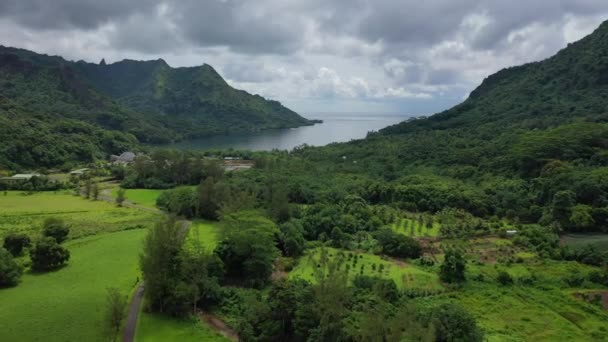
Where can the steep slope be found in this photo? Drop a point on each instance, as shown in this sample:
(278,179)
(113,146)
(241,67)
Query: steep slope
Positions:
(193,101)
(530,143)
(571,85)
(55,111)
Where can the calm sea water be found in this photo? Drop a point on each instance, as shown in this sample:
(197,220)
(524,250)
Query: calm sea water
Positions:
(335,128)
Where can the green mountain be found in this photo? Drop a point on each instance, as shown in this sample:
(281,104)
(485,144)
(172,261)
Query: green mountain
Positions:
(54,111)
(529,144)
(193,101)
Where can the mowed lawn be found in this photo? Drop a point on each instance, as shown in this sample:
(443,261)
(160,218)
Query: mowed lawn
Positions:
(26,213)
(68,304)
(405,275)
(159,328)
(143,197)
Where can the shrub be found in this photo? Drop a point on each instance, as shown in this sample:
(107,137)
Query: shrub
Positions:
(56,229)
(10,271)
(504,278)
(452,269)
(453,323)
(15,243)
(47,254)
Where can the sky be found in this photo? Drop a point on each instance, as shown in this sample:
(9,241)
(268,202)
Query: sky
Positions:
(383,56)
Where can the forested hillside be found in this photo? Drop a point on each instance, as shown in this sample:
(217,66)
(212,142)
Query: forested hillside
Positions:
(56,111)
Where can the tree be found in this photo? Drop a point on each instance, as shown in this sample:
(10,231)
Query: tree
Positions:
(159,263)
(453,323)
(10,270)
(398,245)
(120,196)
(291,239)
(453,267)
(581,217)
(95,191)
(210,197)
(116,304)
(47,254)
(88,185)
(15,243)
(248,248)
(55,228)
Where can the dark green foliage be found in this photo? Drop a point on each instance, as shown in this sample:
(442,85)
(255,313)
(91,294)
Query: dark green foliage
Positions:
(453,323)
(120,196)
(504,278)
(178,280)
(47,255)
(10,270)
(453,267)
(291,239)
(398,245)
(248,248)
(81,112)
(15,243)
(56,229)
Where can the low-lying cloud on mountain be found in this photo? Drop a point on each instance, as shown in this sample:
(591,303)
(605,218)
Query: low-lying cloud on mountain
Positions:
(313,55)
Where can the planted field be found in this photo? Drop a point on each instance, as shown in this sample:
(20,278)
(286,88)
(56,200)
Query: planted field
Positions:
(26,213)
(416,227)
(68,304)
(580,240)
(153,327)
(403,274)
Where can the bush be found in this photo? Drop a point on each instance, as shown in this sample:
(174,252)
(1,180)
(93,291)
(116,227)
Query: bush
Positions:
(504,278)
(453,323)
(15,243)
(47,254)
(56,229)
(452,269)
(10,271)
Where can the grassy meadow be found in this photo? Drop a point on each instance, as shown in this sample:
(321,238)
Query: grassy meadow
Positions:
(405,275)
(24,213)
(154,327)
(580,240)
(67,304)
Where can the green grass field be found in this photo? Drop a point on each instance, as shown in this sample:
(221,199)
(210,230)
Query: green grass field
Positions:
(26,213)
(153,328)
(580,240)
(414,228)
(404,275)
(143,197)
(68,304)
(205,232)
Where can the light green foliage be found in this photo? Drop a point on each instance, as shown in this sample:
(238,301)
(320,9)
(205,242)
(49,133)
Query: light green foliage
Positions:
(204,232)
(160,328)
(414,228)
(66,305)
(26,214)
(404,275)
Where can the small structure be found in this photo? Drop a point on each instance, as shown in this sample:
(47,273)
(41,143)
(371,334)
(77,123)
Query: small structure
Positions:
(511,232)
(236,164)
(79,172)
(20,177)
(123,159)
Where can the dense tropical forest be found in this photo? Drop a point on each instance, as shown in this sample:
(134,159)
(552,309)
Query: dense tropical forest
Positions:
(81,111)
(484,222)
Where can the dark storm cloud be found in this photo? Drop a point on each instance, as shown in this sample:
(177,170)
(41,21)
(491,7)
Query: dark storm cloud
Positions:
(65,14)
(352,48)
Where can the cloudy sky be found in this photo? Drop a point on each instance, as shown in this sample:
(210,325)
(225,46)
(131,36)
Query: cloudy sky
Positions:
(397,56)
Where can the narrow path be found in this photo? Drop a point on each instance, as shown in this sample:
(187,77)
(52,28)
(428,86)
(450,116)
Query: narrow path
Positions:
(131,325)
(218,325)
